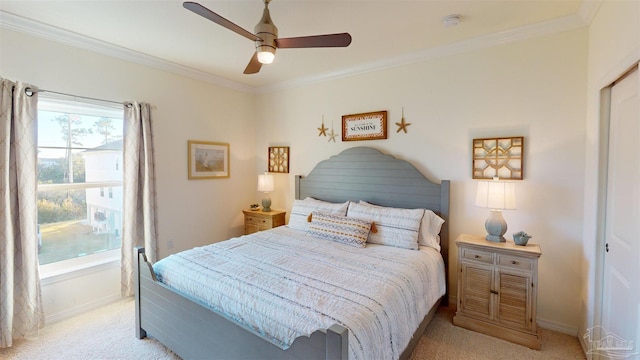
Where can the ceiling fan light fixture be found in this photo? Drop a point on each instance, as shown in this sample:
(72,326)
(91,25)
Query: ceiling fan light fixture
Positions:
(265,36)
(266,55)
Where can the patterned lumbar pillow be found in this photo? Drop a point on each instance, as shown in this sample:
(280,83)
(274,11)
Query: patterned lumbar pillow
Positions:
(346,230)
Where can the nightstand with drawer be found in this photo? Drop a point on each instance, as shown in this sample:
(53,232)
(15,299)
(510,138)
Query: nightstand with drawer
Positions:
(259,220)
(497,289)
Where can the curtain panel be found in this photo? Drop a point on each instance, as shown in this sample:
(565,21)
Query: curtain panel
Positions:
(21,313)
(139,207)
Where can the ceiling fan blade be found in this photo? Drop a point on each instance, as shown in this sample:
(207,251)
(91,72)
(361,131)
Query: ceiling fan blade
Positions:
(330,40)
(254,65)
(208,14)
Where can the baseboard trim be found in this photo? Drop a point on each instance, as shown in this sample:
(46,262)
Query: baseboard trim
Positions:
(54,318)
(557,327)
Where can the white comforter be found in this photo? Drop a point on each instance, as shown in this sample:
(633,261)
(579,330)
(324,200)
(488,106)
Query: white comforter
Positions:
(283,284)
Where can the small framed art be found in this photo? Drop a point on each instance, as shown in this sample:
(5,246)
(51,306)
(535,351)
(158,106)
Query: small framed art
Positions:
(278,159)
(208,160)
(366,126)
(501,157)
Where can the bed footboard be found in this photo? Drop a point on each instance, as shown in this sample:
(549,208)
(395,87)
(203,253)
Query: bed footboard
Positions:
(193,331)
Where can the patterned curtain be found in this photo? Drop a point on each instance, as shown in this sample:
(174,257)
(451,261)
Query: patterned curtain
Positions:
(139,208)
(21,312)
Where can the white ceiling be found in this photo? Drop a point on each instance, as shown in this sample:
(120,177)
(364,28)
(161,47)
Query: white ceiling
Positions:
(384,32)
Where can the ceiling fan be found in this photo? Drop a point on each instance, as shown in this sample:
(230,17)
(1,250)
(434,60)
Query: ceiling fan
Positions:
(266,36)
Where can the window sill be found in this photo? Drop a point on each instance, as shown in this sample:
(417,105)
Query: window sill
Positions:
(72,268)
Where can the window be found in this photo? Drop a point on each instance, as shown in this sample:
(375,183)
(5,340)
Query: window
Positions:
(77,146)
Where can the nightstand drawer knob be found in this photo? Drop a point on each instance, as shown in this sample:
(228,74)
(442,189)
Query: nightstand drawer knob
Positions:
(513,262)
(477,256)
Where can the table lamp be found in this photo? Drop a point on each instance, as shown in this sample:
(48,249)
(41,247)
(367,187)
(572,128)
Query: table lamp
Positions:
(265,184)
(497,196)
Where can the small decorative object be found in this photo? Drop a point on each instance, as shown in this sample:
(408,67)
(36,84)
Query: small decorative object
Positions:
(278,159)
(367,126)
(254,207)
(208,160)
(498,157)
(521,238)
(497,196)
(332,134)
(322,129)
(266,185)
(402,125)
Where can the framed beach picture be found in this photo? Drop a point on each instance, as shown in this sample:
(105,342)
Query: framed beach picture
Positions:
(208,160)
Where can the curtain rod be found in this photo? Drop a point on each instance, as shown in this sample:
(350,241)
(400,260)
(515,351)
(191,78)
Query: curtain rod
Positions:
(29,91)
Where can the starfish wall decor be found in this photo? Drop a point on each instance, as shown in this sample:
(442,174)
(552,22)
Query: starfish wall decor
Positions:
(402,125)
(332,134)
(322,129)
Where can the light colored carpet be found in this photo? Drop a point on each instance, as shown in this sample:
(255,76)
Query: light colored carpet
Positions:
(108,333)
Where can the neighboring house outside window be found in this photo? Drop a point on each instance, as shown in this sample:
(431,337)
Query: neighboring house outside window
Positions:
(99,166)
(79,147)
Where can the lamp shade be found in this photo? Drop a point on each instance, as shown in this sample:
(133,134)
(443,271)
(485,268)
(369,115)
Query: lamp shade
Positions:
(265,183)
(496,195)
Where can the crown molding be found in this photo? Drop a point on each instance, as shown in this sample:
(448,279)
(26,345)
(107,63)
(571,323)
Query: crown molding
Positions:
(553,26)
(567,23)
(34,28)
(589,9)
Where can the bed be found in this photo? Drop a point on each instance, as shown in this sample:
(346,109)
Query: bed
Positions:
(196,330)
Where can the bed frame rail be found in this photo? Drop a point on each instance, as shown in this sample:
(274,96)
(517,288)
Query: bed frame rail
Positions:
(194,331)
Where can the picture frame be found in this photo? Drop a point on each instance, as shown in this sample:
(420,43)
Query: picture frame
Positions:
(278,159)
(501,157)
(208,160)
(365,126)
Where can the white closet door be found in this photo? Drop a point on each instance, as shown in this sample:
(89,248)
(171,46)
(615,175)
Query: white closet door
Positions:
(621,288)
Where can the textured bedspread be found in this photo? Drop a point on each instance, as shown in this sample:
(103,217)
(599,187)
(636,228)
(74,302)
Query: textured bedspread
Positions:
(283,284)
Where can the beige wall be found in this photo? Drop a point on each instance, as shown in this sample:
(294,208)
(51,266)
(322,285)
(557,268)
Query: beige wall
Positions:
(534,88)
(190,213)
(614,46)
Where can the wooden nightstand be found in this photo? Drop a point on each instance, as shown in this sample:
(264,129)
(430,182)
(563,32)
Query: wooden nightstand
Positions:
(259,220)
(497,289)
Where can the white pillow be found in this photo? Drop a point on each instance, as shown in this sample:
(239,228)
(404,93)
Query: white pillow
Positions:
(430,226)
(339,228)
(395,227)
(430,230)
(302,208)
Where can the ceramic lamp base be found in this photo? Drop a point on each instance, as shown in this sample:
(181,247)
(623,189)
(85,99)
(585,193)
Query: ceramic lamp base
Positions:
(266,204)
(496,227)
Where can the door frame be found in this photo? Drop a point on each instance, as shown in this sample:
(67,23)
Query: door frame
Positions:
(603,166)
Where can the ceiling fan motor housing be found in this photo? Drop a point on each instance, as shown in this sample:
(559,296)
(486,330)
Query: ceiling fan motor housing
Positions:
(267,31)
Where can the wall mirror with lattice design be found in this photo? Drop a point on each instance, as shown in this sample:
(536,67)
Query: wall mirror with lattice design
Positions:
(278,159)
(501,157)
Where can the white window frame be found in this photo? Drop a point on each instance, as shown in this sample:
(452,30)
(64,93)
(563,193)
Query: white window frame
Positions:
(59,104)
